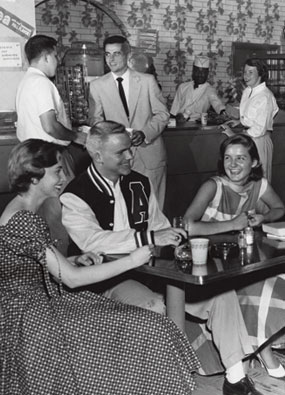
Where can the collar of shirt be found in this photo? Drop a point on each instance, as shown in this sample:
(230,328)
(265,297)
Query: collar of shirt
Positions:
(125,83)
(200,85)
(121,221)
(253,91)
(35,70)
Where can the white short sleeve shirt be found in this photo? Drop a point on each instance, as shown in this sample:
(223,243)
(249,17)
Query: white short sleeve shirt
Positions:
(36,95)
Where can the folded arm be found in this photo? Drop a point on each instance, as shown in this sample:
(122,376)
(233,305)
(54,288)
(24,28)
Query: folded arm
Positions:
(84,229)
(197,208)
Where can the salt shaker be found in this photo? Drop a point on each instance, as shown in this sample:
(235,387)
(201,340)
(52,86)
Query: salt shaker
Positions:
(241,240)
(249,235)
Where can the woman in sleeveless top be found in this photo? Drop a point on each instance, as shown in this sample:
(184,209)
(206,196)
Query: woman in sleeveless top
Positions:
(223,204)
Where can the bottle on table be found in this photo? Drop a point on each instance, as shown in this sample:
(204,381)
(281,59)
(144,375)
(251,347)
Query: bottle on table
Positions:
(249,235)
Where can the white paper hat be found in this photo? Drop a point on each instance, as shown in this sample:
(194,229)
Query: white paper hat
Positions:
(202,61)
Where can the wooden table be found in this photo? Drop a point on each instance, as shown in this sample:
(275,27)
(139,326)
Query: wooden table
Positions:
(264,256)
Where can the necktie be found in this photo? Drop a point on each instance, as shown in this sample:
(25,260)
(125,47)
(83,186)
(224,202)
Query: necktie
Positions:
(122,95)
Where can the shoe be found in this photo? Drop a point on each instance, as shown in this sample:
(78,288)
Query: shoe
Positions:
(242,387)
(277,373)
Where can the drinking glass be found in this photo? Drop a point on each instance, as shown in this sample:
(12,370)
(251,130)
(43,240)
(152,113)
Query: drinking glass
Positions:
(178,222)
(199,249)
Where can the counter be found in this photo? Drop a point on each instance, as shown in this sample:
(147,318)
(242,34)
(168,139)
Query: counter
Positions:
(192,153)
(7,141)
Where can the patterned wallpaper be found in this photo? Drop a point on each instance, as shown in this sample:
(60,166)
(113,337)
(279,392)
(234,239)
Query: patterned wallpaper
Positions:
(184,28)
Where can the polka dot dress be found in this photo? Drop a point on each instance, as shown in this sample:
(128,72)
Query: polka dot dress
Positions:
(61,343)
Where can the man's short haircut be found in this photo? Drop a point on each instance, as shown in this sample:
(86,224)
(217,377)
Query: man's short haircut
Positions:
(28,160)
(101,131)
(118,40)
(39,44)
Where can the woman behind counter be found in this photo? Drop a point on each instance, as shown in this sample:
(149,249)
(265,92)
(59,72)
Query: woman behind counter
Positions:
(222,205)
(57,342)
(258,107)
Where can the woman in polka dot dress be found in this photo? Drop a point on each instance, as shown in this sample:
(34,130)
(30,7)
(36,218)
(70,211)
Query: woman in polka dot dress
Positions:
(57,342)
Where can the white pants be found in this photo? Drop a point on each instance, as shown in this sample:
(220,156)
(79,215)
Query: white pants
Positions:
(134,293)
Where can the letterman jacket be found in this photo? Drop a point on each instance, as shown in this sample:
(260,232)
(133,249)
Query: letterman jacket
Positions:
(88,212)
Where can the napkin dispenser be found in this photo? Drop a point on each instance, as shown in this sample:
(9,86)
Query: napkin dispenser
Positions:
(274,228)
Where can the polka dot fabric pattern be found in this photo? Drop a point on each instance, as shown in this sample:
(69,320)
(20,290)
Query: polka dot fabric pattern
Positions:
(78,343)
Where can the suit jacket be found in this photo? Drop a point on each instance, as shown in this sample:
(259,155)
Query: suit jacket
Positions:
(147,112)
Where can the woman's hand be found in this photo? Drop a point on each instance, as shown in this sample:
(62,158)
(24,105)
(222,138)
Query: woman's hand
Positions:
(240,222)
(227,130)
(233,123)
(87,259)
(256,220)
(141,255)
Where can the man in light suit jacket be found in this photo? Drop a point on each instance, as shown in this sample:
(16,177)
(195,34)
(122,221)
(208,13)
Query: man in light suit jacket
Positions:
(144,111)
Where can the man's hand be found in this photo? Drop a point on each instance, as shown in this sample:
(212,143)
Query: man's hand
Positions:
(180,118)
(138,137)
(169,236)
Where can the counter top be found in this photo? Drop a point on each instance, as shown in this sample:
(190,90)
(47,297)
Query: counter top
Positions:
(195,127)
(10,134)
(7,136)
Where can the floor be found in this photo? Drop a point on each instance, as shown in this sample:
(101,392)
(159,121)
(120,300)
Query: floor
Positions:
(265,384)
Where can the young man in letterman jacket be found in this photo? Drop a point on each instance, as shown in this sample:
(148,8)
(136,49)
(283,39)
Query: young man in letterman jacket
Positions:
(113,209)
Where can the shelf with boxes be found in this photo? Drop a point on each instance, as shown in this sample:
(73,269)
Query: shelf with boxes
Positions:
(73,87)
(81,63)
(276,80)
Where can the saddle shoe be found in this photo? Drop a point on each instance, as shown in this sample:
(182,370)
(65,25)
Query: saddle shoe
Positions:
(243,387)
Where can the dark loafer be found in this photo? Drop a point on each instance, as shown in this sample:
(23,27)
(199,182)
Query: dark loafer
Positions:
(242,387)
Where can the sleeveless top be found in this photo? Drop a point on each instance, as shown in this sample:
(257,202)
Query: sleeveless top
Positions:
(227,203)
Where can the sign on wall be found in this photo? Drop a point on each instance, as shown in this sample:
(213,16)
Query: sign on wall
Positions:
(147,41)
(15,24)
(10,55)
